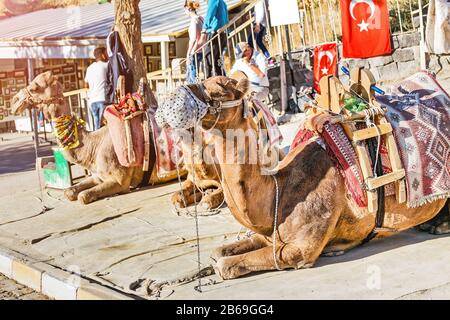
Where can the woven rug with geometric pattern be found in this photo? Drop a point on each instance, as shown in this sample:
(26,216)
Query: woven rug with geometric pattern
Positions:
(419,112)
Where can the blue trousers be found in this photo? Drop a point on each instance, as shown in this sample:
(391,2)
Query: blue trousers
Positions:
(97,109)
(259,38)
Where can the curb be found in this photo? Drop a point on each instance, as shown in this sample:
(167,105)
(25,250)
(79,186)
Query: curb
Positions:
(53,282)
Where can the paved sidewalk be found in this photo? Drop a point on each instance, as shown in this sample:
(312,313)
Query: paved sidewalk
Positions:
(11,290)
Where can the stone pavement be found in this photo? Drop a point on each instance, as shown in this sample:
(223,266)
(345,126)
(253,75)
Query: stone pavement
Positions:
(11,290)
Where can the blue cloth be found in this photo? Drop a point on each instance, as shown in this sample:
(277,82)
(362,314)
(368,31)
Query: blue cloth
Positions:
(216,16)
(97,109)
(191,74)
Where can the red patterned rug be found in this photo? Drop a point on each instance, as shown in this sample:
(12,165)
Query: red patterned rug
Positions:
(166,148)
(419,112)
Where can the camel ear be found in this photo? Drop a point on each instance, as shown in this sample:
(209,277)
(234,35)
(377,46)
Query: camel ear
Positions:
(242,88)
(50,78)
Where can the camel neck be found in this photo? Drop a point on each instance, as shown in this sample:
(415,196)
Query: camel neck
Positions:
(84,151)
(249,192)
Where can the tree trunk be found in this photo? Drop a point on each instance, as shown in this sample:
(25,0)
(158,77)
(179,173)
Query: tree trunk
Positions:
(128,24)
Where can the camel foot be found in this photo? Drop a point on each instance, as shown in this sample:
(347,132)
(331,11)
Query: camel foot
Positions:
(71,194)
(177,200)
(212,201)
(223,269)
(85,198)
(333,254)
(438,225)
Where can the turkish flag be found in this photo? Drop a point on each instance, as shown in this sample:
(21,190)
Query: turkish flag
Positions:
(325,62)
(365,28)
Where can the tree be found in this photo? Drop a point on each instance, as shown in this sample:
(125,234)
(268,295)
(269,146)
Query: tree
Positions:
(128,24)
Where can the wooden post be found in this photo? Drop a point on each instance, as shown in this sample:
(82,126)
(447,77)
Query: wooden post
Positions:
(284,93)
(165,59)
(423,62)
(33,112)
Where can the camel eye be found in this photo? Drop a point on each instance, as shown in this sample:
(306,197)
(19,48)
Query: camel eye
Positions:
(34,87)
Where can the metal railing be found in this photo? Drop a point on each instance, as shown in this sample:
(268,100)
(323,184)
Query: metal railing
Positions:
(78,103)
(320,21)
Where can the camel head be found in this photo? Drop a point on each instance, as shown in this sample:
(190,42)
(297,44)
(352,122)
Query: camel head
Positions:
(207,102)
(44,93)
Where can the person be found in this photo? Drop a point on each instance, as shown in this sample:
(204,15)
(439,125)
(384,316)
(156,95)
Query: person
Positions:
(254,65)
(96,82)
(216,18)
(260,29)
(195,33)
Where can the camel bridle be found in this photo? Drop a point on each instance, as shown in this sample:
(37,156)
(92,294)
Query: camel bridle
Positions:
(32,100)
(216,107)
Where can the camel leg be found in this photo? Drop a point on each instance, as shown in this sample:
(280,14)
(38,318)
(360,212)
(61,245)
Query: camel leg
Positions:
(439,224)
(260,260)
(239,247)
(102,190)
(87,183)
(186,195)
(303,253)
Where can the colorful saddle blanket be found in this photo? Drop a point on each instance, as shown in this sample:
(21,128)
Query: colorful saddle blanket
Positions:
(419,112)
(164,144)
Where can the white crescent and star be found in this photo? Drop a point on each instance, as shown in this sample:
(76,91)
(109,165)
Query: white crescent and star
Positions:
(322,54)
(363,25)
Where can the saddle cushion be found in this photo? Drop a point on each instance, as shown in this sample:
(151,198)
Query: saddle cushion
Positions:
(122,143)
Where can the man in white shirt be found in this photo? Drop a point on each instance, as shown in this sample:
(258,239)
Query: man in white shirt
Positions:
(254,65)
(96,81)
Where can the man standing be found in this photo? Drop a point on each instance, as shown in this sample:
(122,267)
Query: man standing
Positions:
(96,81)
(254,65)
(216,18)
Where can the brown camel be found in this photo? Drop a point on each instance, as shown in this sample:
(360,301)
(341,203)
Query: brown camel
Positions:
(315,214)
(95,151)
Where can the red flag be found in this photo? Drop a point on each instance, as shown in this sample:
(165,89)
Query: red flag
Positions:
(325,62)
(365,28)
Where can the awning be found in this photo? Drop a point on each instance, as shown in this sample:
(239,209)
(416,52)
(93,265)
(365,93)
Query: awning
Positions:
(74,32)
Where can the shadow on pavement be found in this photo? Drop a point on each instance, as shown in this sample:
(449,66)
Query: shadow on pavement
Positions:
(20,156)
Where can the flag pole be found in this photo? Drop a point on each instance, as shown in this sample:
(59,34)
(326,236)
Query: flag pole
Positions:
(423,64)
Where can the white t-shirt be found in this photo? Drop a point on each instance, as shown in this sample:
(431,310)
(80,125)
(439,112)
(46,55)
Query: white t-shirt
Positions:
(96,78)
(260,61)
(195,28)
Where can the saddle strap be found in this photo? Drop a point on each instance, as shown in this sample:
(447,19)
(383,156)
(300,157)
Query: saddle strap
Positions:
(379,219)
(147,168)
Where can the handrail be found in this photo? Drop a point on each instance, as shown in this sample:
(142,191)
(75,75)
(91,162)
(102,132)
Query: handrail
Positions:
(224,28)
(75,92)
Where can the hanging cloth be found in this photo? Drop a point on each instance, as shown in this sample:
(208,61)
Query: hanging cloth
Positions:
(438,27)
(116,67)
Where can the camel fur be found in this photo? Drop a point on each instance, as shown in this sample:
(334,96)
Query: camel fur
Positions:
(316,214)
(95,152)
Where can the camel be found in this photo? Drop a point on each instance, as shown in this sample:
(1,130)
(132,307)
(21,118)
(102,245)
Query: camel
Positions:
(95,151)
(313,215)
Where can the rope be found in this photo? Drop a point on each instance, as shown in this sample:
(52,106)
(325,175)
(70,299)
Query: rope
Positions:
(197,231)
(275,224)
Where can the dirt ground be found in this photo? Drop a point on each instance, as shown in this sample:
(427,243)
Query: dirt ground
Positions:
(11,290)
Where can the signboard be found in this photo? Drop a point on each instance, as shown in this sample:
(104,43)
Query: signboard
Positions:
(283,12)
